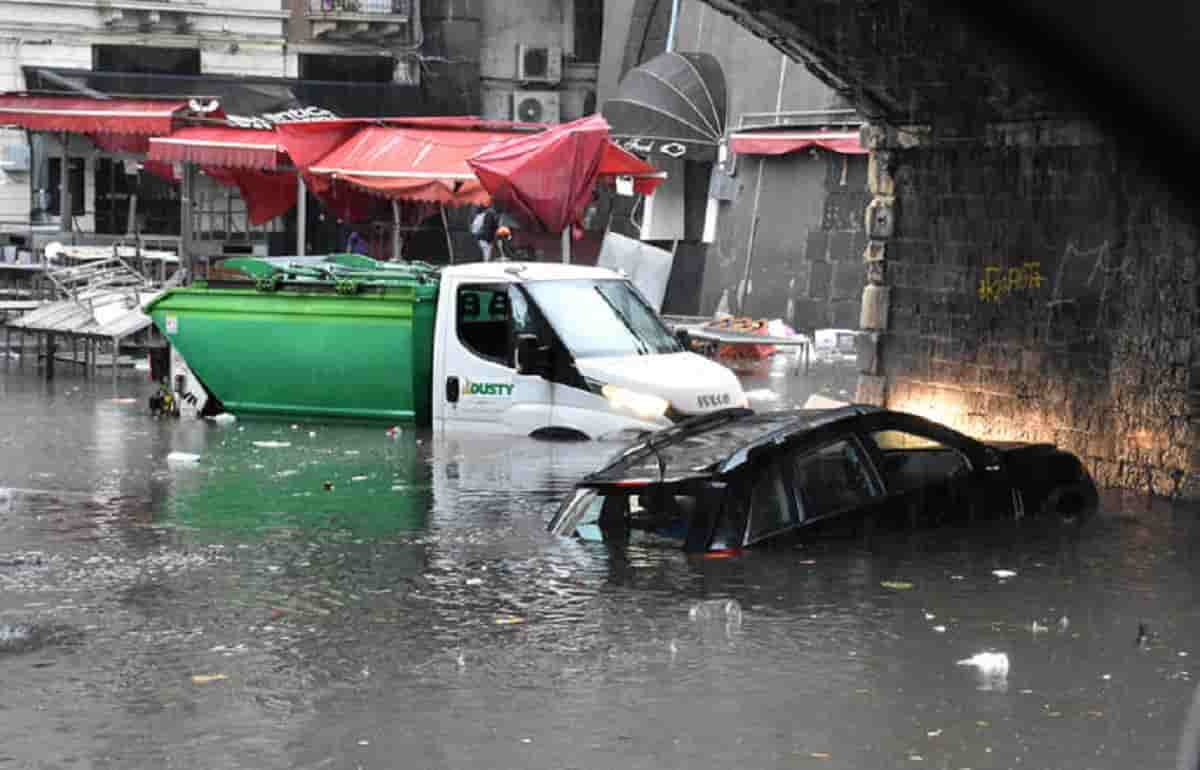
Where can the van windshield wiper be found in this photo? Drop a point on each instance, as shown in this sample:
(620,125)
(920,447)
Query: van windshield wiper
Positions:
(643,348)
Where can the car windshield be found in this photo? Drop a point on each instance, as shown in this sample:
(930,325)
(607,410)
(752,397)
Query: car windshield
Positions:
(601,318)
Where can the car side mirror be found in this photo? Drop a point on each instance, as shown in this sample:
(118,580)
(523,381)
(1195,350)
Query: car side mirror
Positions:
(531,358)
(684,338)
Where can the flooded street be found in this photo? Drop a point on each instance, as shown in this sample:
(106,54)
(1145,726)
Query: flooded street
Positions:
(317,596)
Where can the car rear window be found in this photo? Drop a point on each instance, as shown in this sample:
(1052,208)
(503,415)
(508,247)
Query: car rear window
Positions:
(645,515)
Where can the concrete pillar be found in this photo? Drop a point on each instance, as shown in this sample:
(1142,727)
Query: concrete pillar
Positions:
(876,297)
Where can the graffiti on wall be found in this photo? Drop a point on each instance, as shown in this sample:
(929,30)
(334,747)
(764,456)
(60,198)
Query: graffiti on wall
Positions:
(998,282)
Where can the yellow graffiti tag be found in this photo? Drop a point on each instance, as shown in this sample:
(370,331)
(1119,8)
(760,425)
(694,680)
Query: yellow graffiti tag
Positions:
(997,283)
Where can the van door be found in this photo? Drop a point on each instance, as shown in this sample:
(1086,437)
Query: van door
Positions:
(482,389)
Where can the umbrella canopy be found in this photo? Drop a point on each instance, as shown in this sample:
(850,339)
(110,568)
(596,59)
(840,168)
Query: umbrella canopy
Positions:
(546,178)
(674,104)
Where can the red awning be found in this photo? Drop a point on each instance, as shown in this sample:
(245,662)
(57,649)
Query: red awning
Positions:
(82,115)
(222,146)
(267,194)
(618,162)
(547,177)
(413,164)
(783,142)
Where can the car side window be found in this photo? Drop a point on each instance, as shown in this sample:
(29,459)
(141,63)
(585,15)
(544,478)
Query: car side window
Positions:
(769,507)
(832,478)
(483,316)
(912,461)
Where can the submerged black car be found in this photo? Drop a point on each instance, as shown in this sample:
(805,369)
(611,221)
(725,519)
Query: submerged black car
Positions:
(737,478)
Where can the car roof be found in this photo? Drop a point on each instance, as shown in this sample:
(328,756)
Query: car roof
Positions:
(713,443)
(528,271)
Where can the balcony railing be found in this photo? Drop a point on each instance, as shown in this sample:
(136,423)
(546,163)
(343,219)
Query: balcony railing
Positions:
(395,8)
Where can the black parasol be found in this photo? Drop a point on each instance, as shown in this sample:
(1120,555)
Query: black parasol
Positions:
(673,104)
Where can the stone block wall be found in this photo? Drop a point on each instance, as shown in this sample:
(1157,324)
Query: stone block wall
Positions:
(1044,288)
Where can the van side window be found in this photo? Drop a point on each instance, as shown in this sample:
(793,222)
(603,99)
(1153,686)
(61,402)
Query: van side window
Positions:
(483,316)
(831,479)
(911,461)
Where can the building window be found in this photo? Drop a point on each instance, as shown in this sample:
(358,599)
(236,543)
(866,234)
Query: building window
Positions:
(347,69)
(146,60)
(589,24)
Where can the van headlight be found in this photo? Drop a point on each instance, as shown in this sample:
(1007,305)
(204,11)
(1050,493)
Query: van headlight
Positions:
(644,405)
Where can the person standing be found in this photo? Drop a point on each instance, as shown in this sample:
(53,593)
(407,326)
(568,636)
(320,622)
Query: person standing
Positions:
(483,229)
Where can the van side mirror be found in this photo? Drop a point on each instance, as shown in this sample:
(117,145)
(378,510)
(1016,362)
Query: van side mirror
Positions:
(531,358)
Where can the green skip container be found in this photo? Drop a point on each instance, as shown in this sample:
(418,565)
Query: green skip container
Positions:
(331,338)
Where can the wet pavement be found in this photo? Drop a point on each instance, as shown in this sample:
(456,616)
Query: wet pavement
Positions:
(232,612)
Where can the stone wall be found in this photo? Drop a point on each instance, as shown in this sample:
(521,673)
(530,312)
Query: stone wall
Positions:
(1040,285)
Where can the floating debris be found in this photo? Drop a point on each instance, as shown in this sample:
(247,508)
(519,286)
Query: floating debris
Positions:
(1038,628)
(992,668)
(930,616)
(897,585)
(272,444)
(508,620)
(208,678)
(1004,574)
(1063,624)
(224,418)
(183,458)
(933,733)
(940,629)
(359,478)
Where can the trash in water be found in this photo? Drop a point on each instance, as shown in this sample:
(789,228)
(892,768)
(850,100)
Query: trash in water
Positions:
(286,473)
(1106,677)
(272,444)
(350,452)
(312,434)
(359,478)
(1004,574)
(508,620)
(930,616)
(933,733)
(295,426)
(820,755)
(897,585)
(327,485)
(940,629)
(123,401)
(393,432)
(183,458)
(208,678)
(474,581)
(1063,624)
(728,610)
(992,668)
(1038,628)
(224,418)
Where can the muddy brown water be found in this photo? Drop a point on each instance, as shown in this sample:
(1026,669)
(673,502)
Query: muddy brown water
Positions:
(233,613)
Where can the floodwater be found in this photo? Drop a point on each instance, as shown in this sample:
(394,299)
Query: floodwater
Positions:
(233,612)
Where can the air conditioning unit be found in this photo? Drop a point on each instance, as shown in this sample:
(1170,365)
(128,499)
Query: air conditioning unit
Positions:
(539,64)
(536,106)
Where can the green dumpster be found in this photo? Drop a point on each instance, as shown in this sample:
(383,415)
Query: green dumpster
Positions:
(329,340)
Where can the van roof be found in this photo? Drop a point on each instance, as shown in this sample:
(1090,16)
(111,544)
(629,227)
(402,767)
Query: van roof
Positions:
(527,271)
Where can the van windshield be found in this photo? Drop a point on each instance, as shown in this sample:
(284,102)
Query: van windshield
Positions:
(601,318)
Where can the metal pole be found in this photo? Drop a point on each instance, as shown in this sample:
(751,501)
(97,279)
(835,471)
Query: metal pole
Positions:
(674,25)
(449,240)
(65,205)
(566,245)
(395,230)
(301,215)
(115,350)
(185,221)
(7,347)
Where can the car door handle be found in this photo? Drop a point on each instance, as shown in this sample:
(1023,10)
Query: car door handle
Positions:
(452,390)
